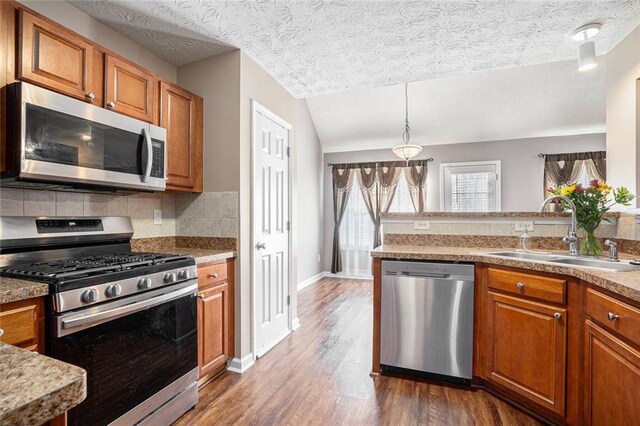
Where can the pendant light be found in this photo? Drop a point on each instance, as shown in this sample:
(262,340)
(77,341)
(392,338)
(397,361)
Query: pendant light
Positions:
(405,150)
(587,50)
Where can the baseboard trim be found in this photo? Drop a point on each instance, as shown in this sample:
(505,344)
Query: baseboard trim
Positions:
(295,324)
(240,365)
(311,280)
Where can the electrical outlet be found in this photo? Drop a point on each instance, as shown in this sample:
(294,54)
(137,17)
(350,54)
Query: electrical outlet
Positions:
(524,225)
(157,217)
(422,224)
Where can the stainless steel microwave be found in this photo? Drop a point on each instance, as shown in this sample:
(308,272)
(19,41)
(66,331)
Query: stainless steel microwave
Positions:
(57,142)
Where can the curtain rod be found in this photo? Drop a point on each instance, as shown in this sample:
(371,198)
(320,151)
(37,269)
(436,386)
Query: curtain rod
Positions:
(428,160)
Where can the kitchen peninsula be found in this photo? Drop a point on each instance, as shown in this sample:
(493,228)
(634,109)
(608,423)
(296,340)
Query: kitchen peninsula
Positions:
(551,339)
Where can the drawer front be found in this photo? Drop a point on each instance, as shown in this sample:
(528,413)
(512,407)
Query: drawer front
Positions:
(529,285)
(615,315)
(212,274)
(19,325)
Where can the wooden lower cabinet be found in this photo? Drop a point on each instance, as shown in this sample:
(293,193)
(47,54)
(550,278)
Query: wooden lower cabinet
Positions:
(22,323)
(215,320)
(527,349)
(213,323)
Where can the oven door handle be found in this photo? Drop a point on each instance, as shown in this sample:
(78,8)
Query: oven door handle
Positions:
(76,322)
(147,141)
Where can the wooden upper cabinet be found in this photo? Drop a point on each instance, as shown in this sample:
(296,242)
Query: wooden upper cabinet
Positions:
(612,379)
(54,57)
(527,349)
(181,114)
(129,89)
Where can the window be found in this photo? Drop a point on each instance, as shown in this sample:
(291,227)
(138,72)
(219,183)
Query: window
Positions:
(401,202)
(356,236)
(470,187)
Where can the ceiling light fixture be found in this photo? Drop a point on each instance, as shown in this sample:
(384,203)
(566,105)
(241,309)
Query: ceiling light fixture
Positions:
(405,150)
(587,50)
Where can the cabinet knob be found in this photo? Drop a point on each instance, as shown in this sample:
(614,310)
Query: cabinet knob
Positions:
(261,246)
(91,96)
(612,317)
(1,332)
(214,275)
(557,315)
(201,296)
(520,286)
(111,105)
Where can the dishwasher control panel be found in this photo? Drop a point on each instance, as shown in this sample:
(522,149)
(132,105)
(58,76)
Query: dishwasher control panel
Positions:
(394,267)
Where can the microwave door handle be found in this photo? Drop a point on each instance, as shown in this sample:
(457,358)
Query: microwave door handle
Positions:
(147,140)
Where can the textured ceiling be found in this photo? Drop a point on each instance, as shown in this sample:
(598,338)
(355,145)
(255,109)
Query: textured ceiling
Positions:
(516,103)
(319,47)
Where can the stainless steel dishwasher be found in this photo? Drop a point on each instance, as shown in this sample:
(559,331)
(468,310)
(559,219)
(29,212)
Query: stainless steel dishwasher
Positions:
(427,319)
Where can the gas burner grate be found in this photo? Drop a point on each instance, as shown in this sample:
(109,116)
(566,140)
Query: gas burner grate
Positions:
(67,269)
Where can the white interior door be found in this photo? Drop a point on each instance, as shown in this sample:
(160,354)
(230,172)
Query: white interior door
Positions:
(271,282)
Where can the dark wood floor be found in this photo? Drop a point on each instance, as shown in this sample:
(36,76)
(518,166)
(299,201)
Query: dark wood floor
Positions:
(320,375)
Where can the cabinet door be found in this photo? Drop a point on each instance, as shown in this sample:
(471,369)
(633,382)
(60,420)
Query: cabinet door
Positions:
(612,379)
(527,349)
(22,324)
(129,89)
(181,115)
(213,324)
(54,57)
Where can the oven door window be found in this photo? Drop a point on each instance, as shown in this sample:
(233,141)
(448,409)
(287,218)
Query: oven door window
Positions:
(55,137)
(131,358)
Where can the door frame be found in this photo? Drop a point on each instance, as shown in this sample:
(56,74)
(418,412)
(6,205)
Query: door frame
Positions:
(256,108)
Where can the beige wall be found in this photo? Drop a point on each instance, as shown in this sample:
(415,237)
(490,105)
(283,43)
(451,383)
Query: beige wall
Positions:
(228,83)
(309,226)
(217,80)
(78,21)
(256,84)
(623,153)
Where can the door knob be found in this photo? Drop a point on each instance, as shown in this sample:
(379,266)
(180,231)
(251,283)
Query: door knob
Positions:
(91,96)
(111,105)
(261,246)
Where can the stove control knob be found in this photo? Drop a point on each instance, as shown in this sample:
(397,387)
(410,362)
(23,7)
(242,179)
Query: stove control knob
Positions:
(169,277)
(113,290)
(89,296)
(183,274)
(144,283)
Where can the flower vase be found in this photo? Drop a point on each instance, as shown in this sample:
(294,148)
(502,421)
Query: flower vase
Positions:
(590,245)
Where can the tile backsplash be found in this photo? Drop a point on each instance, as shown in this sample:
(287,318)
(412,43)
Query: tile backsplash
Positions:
(213,214)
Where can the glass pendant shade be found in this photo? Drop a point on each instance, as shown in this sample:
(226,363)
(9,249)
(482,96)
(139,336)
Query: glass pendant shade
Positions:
(407,151)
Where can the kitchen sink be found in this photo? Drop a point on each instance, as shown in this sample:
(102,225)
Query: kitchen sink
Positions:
(622,266)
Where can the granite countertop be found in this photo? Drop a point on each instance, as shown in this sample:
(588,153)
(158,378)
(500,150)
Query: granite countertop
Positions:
(12,289)
(200,255)
(35,388)
(626,284)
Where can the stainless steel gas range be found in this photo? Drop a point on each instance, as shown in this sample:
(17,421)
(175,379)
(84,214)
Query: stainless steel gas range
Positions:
(127,318)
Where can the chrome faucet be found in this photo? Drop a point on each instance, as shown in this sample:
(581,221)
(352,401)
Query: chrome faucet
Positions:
(572,237)
(613,250)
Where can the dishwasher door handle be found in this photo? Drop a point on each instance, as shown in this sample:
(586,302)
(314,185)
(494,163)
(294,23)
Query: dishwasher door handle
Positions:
(423,275)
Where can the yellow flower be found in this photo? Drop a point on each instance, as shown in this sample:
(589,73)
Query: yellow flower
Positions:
(568,190)
(604,187)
